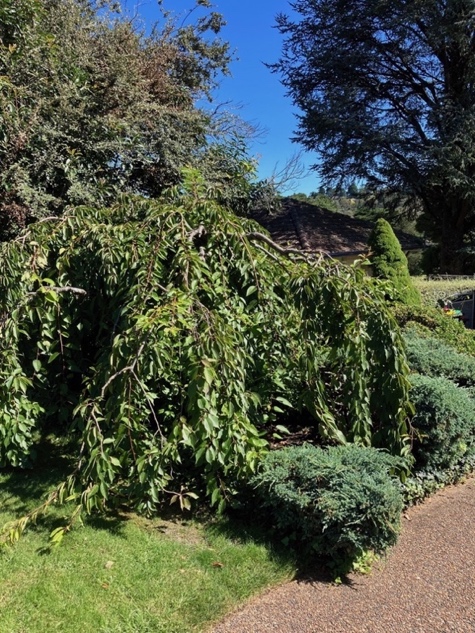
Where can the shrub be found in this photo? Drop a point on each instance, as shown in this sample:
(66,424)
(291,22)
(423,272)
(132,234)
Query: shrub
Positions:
(334,502)
(423,483)
(431,357)
(444,423)
(389,262)
(165,336)
(432,290)
(433,322)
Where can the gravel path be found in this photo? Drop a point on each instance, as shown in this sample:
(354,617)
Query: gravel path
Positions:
(425,585)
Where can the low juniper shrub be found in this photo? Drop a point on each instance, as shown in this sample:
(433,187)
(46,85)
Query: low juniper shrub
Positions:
(431,357)
(333,503)
(430,321)
(444,423)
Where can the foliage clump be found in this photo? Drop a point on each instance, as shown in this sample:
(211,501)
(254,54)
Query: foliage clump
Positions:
(92,105)
(389,262)
(165,335)
(432,322)
(431,357)
(335,502)
(444,423)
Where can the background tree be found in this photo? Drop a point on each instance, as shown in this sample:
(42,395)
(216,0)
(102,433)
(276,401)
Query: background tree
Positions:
(389,262)
(386,91)
(91,105)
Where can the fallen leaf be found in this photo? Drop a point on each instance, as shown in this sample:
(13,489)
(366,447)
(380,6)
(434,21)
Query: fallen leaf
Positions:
(216,564)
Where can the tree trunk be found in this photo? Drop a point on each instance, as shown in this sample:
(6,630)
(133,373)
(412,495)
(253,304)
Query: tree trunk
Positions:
(452,237)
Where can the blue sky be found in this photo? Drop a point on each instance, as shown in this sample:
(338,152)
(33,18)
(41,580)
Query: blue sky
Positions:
(250,32)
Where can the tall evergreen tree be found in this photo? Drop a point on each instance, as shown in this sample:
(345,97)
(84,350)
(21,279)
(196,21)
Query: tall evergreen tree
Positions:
(386,94)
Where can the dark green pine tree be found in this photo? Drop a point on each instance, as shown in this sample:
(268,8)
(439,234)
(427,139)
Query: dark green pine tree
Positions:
(385,91)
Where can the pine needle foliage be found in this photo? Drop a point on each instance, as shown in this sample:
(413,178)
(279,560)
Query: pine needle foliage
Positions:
(165,335)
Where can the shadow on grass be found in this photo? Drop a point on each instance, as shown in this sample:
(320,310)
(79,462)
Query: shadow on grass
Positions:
(244,530)
(24,490)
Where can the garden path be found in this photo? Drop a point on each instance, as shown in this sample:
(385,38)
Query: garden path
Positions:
(426,584)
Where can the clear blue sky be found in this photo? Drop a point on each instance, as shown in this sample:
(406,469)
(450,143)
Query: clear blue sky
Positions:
(251,34)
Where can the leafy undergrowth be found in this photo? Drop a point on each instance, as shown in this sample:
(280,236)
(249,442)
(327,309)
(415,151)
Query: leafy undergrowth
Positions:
(122,573)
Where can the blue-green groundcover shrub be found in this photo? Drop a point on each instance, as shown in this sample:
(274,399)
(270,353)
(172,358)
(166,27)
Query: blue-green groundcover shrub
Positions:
(431,322)
(444,423)
(430,357)
(335,502)
(425,482)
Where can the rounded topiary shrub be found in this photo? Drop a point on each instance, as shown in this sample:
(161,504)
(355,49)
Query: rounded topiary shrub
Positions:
(336,502)
(444,423)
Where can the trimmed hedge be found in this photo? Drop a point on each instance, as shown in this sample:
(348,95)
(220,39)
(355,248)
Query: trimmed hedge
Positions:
(335,502)
(431,357)
(434,289)
(444,423)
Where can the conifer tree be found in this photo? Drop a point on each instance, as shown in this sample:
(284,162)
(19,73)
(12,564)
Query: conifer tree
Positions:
(389,262)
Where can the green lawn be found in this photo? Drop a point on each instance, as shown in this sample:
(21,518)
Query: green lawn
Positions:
(125,574)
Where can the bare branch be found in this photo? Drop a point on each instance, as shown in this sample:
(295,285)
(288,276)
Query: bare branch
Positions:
(287,178)
(280,249)
(59,290)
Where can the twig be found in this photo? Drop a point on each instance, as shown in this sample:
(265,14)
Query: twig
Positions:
(22,238)
(129,368)
(154,415)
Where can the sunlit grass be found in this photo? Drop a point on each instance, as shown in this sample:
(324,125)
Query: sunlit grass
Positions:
(123,573)
(432,290)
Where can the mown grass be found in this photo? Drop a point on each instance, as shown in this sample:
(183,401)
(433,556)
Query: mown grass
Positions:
(125,574)
(434,289)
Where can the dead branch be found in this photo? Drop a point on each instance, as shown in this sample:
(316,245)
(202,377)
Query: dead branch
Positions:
(280,249)
(59,290)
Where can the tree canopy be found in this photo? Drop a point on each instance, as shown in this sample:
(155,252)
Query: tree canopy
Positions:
(163,337)
(91,104)
(386,94)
